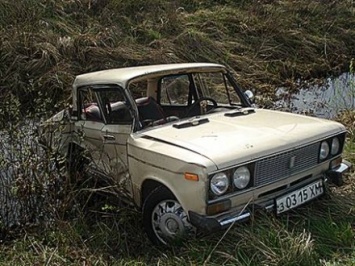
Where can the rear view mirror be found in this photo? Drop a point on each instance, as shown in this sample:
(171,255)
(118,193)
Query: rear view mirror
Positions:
(250,95)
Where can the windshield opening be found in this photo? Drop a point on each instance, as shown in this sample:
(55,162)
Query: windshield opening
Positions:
(215,85)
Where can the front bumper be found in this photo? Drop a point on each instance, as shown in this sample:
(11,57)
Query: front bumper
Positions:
(209,224)
(336,175)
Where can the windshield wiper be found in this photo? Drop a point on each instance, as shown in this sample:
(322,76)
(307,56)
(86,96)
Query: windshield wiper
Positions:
(191,123)
(239,112)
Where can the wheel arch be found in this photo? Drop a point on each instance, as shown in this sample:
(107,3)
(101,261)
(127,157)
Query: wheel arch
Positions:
(148,186)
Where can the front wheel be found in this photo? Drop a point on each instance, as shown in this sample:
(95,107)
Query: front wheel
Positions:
(165,221)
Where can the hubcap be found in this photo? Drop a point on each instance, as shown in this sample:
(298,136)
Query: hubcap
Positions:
(169,221)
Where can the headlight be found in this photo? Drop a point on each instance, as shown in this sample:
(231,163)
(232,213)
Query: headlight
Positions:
(324,150)
(219,183)
(241,177)
(335,146)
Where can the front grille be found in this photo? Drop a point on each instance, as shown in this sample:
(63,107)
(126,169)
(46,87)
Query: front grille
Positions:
(284,165)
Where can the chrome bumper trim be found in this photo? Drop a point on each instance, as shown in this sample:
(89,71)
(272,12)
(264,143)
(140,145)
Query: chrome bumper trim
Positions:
(343,167)
(235,219)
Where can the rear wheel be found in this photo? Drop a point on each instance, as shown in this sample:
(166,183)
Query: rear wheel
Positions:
(165,221)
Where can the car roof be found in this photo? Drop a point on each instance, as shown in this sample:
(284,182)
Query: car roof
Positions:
(121,76)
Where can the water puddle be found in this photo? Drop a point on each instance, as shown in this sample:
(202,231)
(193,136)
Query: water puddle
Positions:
(324,101)
(25,176)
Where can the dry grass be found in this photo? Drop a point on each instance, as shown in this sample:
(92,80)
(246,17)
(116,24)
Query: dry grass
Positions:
(316,234)
(44,44)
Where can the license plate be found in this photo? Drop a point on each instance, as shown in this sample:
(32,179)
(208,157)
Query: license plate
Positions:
(299,196)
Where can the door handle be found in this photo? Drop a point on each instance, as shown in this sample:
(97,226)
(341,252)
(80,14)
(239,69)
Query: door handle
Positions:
(80,132)
(109,137)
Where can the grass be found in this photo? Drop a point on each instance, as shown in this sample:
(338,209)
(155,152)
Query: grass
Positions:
(44,44)
(317,234)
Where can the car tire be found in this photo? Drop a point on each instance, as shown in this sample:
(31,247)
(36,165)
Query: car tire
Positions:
(165,221)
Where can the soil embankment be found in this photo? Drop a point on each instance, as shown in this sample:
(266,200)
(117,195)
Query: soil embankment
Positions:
(44,44)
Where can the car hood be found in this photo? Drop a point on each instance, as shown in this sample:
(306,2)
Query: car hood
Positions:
(229,141)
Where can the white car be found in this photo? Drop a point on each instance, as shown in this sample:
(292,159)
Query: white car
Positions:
(187,147)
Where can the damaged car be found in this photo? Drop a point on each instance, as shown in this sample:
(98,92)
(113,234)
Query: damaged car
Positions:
(189,148)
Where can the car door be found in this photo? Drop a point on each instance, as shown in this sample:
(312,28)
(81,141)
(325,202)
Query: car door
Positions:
(105,123)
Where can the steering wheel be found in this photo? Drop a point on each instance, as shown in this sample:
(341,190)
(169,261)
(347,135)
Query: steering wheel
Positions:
(192,110)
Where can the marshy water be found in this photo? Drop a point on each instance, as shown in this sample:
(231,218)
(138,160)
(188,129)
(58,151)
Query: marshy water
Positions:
(25,175)
(325,101)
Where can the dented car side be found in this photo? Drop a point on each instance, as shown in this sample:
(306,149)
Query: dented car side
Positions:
(190,150)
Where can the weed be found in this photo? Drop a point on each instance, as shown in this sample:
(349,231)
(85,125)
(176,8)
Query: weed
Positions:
(69,221)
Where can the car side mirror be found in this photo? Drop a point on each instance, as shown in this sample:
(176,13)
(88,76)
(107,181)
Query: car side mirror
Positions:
(250,95)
